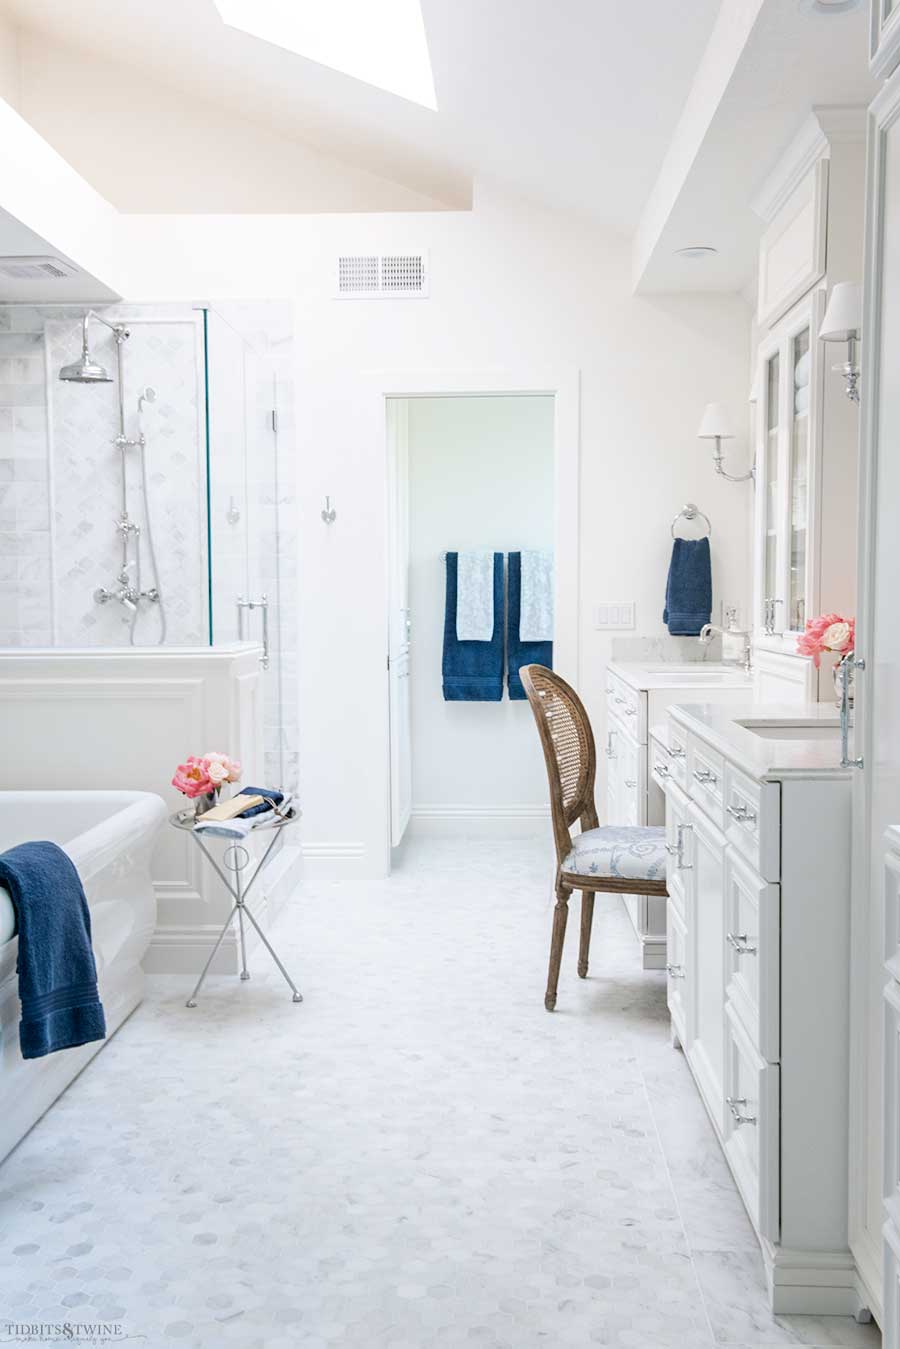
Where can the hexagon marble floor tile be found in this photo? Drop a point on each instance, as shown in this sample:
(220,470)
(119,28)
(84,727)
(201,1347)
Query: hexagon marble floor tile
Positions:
(417,1155)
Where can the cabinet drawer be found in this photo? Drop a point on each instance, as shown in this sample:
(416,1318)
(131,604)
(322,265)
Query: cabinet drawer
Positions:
(659,762)
(753,821)
(626,780)
(891,1108)
(678,755)
(752,1126)
(626,704)
(678,972)
(752,955)
(706,772)
(677,845)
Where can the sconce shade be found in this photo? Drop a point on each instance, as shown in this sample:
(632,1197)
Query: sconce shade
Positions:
(716,422)
(843,317)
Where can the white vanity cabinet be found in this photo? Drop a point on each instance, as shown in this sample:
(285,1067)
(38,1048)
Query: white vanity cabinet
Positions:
(637,696)
(758,832)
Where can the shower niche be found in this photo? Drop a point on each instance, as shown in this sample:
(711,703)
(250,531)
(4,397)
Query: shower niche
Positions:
(146,484)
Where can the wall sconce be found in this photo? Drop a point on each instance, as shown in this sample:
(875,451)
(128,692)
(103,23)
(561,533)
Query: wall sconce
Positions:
(842,322)
(717,426)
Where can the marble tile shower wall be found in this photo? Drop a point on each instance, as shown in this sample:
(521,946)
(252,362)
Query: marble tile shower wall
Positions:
(26,617)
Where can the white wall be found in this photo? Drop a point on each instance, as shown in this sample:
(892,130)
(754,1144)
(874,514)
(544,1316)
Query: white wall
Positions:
(511,287)
(481,476)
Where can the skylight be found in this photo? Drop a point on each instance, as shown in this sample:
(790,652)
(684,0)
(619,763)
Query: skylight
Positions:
(381,42)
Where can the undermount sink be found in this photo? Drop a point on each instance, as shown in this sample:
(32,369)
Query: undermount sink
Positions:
(792,730)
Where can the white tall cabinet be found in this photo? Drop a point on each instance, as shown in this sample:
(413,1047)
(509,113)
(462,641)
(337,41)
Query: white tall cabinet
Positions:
(806,432)
(877,783)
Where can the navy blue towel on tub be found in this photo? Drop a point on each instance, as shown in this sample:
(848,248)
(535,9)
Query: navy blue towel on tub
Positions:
(520,653)
(57,975)
(472,671)
(689,588)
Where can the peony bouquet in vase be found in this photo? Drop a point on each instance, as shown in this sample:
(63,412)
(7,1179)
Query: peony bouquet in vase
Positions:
(202,777)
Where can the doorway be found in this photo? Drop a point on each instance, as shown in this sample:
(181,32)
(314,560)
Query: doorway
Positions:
(467,472)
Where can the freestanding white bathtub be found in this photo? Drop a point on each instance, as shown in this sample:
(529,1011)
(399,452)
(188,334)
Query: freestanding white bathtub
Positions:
(110,837)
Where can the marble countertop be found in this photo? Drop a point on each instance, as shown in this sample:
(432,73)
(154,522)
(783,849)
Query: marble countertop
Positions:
(652,675)
(761,756)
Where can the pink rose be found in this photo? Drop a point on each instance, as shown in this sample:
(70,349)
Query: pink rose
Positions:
(192,777)
(828,632)
(222,768)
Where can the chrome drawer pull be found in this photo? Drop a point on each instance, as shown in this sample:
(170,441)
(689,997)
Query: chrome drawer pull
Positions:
(672,849)
(662,770)
(630,712)
(734,1104)
(630,782)
(677,849)
(705,775)
(610,752)
(619,700)
(743,814)
(739,941)
(676,753)
(676,972)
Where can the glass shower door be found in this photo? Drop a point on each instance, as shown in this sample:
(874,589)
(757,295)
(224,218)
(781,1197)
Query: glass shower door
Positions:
(244,578)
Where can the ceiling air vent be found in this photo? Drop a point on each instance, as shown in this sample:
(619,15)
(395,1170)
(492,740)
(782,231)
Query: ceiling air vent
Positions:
(372,276)
(36,269)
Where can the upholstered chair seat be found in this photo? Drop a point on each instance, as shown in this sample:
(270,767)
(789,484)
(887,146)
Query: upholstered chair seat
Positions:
(624,852)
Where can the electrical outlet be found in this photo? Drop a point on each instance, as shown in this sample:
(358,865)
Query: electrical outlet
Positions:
(614,616)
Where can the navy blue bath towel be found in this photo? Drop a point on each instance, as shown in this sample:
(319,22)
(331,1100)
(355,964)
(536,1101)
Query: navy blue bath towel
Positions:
(57,975)
(519,653)
(689,588)
(472,671)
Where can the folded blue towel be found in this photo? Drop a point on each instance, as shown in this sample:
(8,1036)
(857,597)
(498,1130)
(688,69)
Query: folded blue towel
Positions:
(472,671)
(269,793)
(57,975)
(519,653)
(688,588)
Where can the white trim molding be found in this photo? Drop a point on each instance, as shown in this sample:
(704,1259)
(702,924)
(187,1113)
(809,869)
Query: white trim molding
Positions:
(514,821)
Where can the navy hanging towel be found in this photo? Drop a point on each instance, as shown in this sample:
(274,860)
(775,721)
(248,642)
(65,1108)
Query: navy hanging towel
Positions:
(472,671)
(688,588)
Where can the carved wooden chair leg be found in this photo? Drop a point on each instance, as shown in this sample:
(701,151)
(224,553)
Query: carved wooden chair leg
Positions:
(560,914)
(587,918)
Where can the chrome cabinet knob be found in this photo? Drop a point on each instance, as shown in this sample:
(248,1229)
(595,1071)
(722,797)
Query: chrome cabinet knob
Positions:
(676,753)
(743,814)
(705,776)
(676,972)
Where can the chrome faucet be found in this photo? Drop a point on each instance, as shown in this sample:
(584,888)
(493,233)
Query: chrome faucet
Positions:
(709,630)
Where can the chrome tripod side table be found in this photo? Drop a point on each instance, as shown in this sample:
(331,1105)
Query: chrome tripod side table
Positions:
(236,859)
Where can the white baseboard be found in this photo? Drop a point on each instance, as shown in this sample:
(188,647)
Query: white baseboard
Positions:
(515,821)
(811,1283)
(336,861)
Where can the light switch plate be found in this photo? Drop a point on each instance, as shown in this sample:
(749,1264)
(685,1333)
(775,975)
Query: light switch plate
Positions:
(618,615)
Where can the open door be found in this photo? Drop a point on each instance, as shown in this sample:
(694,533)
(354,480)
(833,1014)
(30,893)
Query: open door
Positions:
(399,626)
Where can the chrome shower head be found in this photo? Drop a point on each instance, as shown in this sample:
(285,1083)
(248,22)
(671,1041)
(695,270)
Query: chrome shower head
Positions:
(86,370)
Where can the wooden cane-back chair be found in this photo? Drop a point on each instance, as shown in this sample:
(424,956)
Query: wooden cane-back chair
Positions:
(612,860)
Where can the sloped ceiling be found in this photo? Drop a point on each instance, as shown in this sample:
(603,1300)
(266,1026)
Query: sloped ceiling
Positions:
(569,104)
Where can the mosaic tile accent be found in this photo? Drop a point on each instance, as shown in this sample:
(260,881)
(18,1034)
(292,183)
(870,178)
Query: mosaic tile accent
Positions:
(417,1157)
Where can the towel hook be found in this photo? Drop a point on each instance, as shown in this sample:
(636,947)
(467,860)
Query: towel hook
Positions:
(691,512)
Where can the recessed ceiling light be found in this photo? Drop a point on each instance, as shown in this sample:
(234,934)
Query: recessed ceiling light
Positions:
(696,251)
(383,44)
(829,6)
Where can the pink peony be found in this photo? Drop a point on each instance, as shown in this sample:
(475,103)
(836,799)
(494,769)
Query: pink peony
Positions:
(192,777)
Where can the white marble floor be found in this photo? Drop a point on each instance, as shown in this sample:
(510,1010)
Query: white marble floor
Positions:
(418,1155)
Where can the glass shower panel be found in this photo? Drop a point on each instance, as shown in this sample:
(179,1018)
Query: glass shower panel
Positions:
(799,479)
(244,583)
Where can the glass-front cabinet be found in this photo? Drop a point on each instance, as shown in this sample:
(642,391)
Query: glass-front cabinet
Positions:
(789,420)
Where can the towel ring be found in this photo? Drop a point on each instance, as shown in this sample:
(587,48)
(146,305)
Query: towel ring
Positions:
(690,512)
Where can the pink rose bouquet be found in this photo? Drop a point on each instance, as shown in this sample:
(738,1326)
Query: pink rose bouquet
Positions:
(199,776)
(828,632)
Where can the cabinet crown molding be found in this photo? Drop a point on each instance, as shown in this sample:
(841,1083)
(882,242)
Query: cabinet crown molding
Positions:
(824,126)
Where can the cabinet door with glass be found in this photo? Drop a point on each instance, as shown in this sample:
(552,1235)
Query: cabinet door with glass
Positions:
(789,421)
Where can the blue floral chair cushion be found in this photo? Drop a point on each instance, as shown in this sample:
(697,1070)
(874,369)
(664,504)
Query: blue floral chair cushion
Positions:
(629,853)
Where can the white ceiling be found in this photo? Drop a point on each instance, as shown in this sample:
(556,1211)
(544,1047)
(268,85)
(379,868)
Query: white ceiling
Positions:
(793,60)
(570,103)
